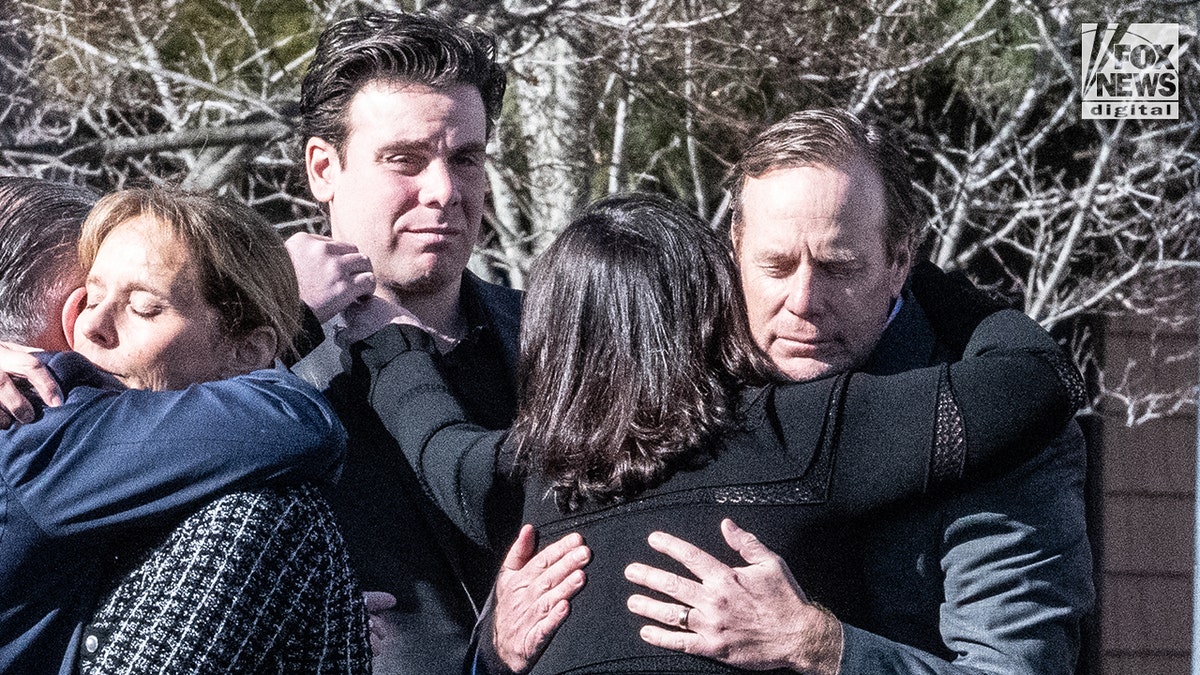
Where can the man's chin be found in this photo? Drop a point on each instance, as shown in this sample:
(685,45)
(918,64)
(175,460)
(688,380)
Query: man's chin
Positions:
(808,362)
(417,285)
(425,279)
(134,381)
(130,381)
(802,369)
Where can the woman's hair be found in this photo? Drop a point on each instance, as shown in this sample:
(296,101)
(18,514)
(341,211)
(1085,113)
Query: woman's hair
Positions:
(244,269)
(634,348)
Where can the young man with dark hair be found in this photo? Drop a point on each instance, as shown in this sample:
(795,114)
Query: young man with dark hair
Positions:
(396,110)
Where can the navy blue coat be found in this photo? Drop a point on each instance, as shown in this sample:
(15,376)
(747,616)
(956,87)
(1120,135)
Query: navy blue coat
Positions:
(111,464)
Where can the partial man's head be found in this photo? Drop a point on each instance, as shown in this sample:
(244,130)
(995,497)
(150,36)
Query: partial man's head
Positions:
(39,230)
(396,110)
(825,229)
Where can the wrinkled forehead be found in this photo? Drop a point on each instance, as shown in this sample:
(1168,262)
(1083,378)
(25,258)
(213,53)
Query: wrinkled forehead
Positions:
(816,202)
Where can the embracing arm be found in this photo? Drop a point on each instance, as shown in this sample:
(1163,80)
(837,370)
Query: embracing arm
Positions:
(1012,389)
(455,460)
(925,429)
(1017,575)
(110,457)
(1004,402)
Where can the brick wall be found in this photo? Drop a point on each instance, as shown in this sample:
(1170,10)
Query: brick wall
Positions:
(1146,485)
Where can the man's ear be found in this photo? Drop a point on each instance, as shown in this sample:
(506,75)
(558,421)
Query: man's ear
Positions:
(322,165)
(901,267)
(75,303)
(251,352)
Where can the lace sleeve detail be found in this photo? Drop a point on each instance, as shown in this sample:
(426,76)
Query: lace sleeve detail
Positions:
(1070,377)
(947,462)
(949,454)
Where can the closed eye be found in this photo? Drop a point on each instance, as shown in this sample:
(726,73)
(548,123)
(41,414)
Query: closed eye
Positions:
(146,305)
(777,267)
(840,269)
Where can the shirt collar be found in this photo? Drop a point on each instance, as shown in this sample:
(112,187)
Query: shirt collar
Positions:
(896,305)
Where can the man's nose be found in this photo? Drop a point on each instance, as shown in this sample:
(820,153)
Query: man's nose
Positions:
(438,186)
(807,293)
(803,298)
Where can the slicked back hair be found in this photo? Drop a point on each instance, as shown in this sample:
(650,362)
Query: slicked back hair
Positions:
(837,139)
(634,348)
(397,48)
(244,269)
(39,230)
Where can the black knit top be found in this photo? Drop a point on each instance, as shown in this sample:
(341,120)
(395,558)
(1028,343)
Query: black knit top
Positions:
(805,457)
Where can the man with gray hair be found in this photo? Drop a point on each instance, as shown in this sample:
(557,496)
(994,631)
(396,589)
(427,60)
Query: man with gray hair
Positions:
(39,230)
(993,579)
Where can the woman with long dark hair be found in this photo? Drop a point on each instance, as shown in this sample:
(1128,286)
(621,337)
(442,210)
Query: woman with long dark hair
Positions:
(645,405)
